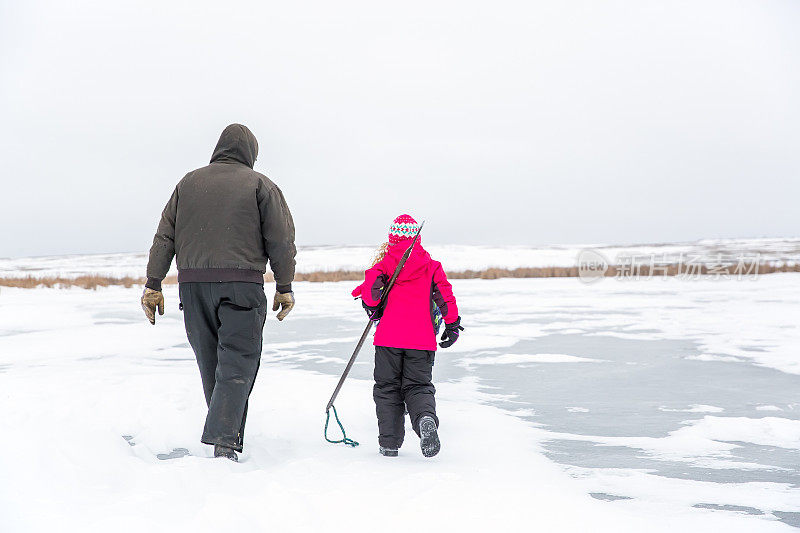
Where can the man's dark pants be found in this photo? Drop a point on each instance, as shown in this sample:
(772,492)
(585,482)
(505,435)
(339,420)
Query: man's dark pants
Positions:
(402,380)
(224,324)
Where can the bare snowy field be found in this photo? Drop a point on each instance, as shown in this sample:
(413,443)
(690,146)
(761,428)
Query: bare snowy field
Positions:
(456,258)
(656,405)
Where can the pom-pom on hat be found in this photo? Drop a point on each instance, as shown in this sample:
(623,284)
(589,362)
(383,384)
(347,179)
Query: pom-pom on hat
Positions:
(403,227)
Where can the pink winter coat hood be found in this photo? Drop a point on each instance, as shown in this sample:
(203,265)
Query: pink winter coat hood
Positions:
(407,320)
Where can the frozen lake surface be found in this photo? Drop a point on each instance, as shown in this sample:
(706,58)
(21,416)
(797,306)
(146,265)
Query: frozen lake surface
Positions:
(618,406)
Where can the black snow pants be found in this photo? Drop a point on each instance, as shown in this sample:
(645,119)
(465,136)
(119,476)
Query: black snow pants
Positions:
(224,324)
(402,380)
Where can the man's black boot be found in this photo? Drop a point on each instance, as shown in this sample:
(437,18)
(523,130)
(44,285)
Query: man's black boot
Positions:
(224,451)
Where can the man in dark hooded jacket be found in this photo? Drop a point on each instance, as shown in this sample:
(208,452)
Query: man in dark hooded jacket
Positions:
(224,222)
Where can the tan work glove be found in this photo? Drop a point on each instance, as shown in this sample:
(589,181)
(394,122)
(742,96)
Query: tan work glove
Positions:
(150,300)
(284,301)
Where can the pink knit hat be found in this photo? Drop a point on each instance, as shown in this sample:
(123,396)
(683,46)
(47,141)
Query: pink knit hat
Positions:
(403,227)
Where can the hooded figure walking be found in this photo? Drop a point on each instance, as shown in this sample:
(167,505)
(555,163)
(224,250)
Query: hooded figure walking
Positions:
(224,222)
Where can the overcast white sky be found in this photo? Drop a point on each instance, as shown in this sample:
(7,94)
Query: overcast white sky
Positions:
(499,122)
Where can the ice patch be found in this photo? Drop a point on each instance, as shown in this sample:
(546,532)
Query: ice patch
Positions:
(771,498)
(713,357)
(478,343)
(707,442)
(694,408)
(767,431)
(510,359)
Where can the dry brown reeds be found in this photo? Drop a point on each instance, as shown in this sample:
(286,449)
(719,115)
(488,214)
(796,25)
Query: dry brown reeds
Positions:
(638,271)
(84,282)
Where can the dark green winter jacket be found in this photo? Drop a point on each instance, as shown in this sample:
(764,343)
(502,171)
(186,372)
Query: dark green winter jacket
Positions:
(225,221)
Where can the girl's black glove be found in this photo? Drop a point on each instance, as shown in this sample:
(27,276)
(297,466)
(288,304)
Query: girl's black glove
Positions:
(373,312)
(451,332)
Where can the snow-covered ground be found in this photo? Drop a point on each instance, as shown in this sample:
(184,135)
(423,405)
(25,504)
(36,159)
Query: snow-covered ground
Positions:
(455,257)
(656,405)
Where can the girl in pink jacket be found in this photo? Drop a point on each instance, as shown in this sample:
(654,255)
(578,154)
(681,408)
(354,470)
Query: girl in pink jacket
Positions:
(405,340)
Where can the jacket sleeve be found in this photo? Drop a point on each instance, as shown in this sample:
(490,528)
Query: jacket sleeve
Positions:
(277,229)
(374,280)
(163,249)
(443,296)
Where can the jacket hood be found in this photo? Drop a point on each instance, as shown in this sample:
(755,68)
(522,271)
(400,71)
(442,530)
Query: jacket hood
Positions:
(417,263)
(236,144)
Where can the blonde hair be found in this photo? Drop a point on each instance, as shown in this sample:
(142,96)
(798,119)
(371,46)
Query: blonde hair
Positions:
(380,253)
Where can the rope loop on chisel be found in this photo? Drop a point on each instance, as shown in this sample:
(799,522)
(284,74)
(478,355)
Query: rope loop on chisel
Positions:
(345,439)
